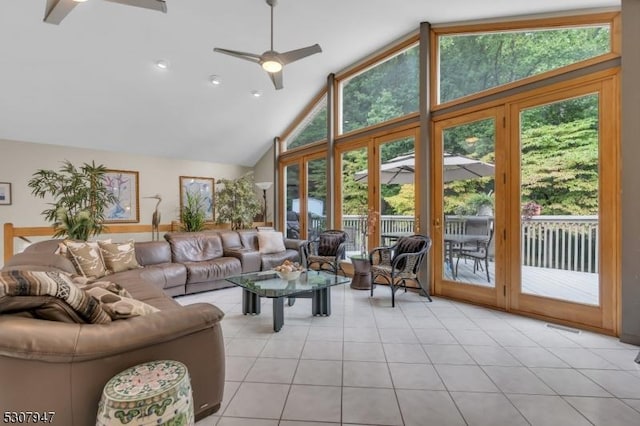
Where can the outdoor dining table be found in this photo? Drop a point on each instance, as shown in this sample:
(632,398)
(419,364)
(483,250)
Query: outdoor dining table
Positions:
(391,237)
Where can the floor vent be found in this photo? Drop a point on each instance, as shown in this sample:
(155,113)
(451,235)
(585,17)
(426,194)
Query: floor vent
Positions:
(563,328)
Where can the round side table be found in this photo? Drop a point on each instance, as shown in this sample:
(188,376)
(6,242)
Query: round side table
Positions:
(153,393)
(361,273)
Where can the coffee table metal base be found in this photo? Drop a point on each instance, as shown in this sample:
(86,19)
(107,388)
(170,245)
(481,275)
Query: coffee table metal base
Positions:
(320,304)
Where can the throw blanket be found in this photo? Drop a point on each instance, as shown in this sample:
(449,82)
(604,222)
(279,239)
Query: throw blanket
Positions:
(48,295)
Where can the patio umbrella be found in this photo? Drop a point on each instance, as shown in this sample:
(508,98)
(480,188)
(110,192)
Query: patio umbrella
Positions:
(401,169)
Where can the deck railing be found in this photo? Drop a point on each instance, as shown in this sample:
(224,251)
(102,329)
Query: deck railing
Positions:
(557,242)
(561,242)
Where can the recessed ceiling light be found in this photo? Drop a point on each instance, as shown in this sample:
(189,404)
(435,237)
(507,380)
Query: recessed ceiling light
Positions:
(256,93)
(215,80)
(162,64)
(79,1)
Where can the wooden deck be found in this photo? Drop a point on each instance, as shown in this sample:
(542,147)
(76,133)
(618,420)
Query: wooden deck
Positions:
(579,287)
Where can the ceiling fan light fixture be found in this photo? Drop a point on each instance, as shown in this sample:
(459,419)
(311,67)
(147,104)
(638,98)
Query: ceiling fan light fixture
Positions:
(271,66)
(162,64)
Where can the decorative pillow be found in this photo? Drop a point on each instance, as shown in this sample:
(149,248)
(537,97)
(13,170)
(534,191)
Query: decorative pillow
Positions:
(87,258)
(329,243)
(116,306)
(114,288)
(270,242)
(407,245)
(49,295)
(119,257)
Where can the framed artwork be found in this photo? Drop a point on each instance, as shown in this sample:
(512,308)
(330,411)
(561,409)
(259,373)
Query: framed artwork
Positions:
(124,185)
(5,194)
(198,185)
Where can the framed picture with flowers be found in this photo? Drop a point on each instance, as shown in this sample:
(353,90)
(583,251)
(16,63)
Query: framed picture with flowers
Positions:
(124,185)
(203,188)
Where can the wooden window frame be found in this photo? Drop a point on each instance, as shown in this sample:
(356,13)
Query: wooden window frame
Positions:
(612,19)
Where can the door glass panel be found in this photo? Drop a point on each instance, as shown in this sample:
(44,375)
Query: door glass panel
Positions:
(355,197)
(559,200)
(468,201)
(316,196)
(292,200)
(397,190)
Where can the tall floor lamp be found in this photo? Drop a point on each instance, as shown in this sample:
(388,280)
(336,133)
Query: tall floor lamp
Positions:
(264,186)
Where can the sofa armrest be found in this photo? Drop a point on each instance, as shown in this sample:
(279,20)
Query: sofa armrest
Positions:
(51,341)
(249,258)
(294,244)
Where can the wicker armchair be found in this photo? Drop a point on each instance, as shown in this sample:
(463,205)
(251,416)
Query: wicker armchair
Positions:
(325,251)
(399,263)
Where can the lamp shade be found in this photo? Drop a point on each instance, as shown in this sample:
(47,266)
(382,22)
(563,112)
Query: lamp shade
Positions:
(264,185)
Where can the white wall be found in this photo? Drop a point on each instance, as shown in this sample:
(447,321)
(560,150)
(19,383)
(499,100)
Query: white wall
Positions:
(19,160)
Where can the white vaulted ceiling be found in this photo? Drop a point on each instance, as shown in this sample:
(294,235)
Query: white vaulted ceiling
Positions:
(91,81)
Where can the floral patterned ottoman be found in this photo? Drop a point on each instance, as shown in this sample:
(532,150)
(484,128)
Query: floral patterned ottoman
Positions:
(153,393)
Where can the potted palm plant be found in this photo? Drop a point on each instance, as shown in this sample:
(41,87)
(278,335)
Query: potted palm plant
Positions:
(80,198)
(193,213)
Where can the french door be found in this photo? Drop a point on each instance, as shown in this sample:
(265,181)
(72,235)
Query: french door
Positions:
(531,223)
(468,207)
(304,184)
(564,168)
(376,178)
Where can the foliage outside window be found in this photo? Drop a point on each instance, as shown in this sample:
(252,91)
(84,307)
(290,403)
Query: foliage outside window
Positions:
(471,63)
(312,129)
(386,91)
(559,145)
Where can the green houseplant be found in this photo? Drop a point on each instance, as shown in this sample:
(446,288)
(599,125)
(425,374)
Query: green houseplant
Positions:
(237,202)
(193,214)
(80,198)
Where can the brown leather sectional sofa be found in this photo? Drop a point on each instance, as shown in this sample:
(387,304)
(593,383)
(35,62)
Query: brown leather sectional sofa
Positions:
(62,367)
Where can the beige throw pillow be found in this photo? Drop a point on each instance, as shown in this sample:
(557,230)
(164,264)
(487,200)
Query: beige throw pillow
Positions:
(119,307)
(87,258)
(119,257)
(270,242)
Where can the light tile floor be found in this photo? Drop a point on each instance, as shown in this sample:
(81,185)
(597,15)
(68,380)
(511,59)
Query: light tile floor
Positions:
(420,363)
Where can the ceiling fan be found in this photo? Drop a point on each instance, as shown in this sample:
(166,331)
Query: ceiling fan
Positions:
(272,61)
(57,10)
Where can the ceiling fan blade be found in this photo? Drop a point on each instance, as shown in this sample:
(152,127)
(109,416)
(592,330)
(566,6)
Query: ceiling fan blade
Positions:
(294,55)
(242,55)
(276,77)
(159,5)
(57,10)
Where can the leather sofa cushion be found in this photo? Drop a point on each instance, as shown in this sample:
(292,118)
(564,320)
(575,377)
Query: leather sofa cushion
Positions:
(230,239)
(251,260)
(194,246)
(166,275)
(153,252)
(40,261)
(249,239)
(212,270)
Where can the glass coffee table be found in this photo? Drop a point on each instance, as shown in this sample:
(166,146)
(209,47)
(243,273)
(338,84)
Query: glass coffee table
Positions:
(311,284)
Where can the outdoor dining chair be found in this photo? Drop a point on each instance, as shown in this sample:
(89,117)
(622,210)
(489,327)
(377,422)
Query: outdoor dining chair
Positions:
(325,251)
(477,250)
(400,263)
